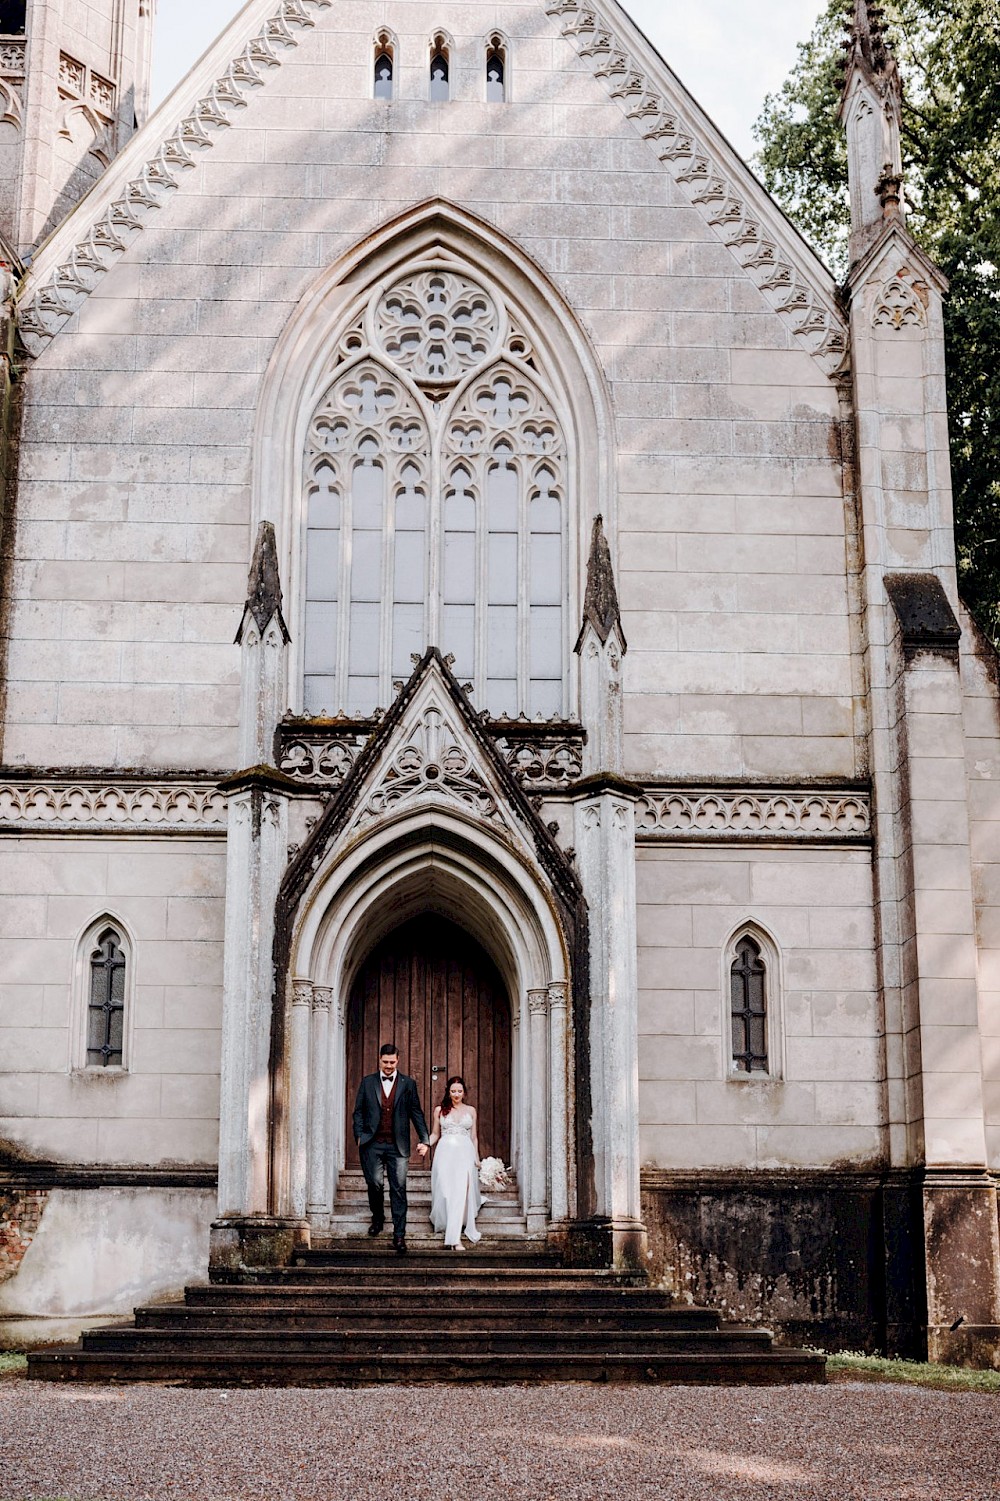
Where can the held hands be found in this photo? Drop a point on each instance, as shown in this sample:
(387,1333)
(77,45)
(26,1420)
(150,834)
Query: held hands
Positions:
(422,1149)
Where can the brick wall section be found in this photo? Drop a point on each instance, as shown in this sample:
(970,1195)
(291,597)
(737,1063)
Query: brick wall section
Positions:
(20,1215)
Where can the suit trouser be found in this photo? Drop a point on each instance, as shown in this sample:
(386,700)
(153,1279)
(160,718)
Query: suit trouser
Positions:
(376,1156)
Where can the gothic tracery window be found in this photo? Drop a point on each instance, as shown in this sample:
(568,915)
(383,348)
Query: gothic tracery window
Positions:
(12,17)
(748,991)
(440,69)
(496,70)
(383,76)
(385,65)
(106,1002)
(436,504)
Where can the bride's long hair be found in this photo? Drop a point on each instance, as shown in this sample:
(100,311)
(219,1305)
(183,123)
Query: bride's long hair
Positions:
(446,1102)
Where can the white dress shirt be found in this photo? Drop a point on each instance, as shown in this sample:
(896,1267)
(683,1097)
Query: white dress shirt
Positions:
(388,1080)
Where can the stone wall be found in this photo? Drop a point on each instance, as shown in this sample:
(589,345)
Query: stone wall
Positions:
(823,1100)
(982,743)
(168,895)
(831,1260)
(723,479)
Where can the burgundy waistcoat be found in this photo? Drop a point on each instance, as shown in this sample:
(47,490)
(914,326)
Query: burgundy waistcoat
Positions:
(384,1132)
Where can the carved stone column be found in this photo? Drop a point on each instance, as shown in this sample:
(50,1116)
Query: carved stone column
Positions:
(605,845)
(560,1100)
(299,1094)
(337,1101)
(538,1011)
(248,1231)
(317,1204)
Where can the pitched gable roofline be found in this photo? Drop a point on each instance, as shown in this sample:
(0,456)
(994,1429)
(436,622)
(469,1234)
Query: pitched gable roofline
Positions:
(710,173)
(141,180)
(703,164)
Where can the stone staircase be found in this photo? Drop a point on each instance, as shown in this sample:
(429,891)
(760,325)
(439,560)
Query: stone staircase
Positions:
(500,1216)
(355,1314)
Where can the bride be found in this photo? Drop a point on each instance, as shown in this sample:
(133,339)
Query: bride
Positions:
(455,1191)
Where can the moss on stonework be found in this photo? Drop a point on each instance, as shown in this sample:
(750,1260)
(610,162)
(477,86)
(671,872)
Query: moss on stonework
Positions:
(849,1367)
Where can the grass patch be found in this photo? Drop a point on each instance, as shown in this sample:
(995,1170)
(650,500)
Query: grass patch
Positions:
(11,1362)
(947,1378)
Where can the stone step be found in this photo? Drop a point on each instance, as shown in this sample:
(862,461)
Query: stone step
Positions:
(418,1231)
(224,1369)
(243,1300)
(531,1316)
(356,1314)
(387,1281)
(427,1252)
(365,1343)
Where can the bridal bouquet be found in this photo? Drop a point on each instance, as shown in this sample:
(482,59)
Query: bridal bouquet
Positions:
(493,1175)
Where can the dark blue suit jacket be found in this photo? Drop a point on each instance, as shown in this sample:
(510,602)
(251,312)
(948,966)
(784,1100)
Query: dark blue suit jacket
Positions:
(368,1112)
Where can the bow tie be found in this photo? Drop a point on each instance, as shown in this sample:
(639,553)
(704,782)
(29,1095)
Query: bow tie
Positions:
(388,1078)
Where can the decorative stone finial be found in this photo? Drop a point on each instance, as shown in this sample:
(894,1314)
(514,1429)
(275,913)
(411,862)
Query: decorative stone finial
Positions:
(867,41)
(264,585)
(600,604)
(871,110)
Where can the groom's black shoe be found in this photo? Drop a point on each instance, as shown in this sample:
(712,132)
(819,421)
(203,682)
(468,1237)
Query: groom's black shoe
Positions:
(375,1228)
(399,1242)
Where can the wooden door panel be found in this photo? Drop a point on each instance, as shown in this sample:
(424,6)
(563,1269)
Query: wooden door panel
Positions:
(434,991)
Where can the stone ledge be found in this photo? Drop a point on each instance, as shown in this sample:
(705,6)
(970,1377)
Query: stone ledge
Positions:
(32,1176)
(106,807)
(743,815)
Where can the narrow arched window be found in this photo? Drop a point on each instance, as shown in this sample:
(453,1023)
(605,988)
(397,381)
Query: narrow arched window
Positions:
(748,991)
(106,1005)
(496,71)
(12,17)
(440,71)
(383,76)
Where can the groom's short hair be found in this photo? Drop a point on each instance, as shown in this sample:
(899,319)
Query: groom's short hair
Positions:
(386,1048)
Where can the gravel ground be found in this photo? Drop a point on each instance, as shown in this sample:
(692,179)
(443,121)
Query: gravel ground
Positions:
(577,1443)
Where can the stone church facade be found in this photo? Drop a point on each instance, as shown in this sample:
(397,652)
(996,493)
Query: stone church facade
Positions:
(469,572)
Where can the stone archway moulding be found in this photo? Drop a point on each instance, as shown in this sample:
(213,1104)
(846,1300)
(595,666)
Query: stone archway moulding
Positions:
(434,861)
(305,355)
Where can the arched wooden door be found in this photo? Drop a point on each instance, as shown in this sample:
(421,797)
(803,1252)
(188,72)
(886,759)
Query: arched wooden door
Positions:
(435,992)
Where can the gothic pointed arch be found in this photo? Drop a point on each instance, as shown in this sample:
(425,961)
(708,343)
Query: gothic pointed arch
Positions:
(103,991)
(486,419)
(431,820)
(753,1003)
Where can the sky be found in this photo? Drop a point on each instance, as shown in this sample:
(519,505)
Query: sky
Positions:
(729,53)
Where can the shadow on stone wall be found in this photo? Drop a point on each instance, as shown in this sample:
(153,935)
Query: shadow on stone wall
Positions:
(832,1260)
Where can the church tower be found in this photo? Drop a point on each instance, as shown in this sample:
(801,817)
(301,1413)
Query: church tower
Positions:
(74,86)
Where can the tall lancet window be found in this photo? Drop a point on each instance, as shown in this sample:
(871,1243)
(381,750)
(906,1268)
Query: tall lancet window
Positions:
(436,504)
(106,1007)
(748,993)
(440,69)
(385,64)
(496,70)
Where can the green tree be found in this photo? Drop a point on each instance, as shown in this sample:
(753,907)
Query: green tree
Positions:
(948,53)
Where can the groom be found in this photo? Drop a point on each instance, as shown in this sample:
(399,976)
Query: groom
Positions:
(387,1102)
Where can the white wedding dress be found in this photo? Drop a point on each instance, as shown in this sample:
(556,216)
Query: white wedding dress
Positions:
(455,1181)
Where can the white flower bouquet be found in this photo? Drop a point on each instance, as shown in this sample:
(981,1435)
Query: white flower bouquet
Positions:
(493,1176)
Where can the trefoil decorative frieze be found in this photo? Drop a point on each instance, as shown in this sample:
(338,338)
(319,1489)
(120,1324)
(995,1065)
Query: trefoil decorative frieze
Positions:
(545,758)
(902,302)
(12,57)
(32,807)
(665,815)
(813,318)
(47,307)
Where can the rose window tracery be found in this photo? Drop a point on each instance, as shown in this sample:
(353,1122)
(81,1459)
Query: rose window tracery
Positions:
(436,509)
